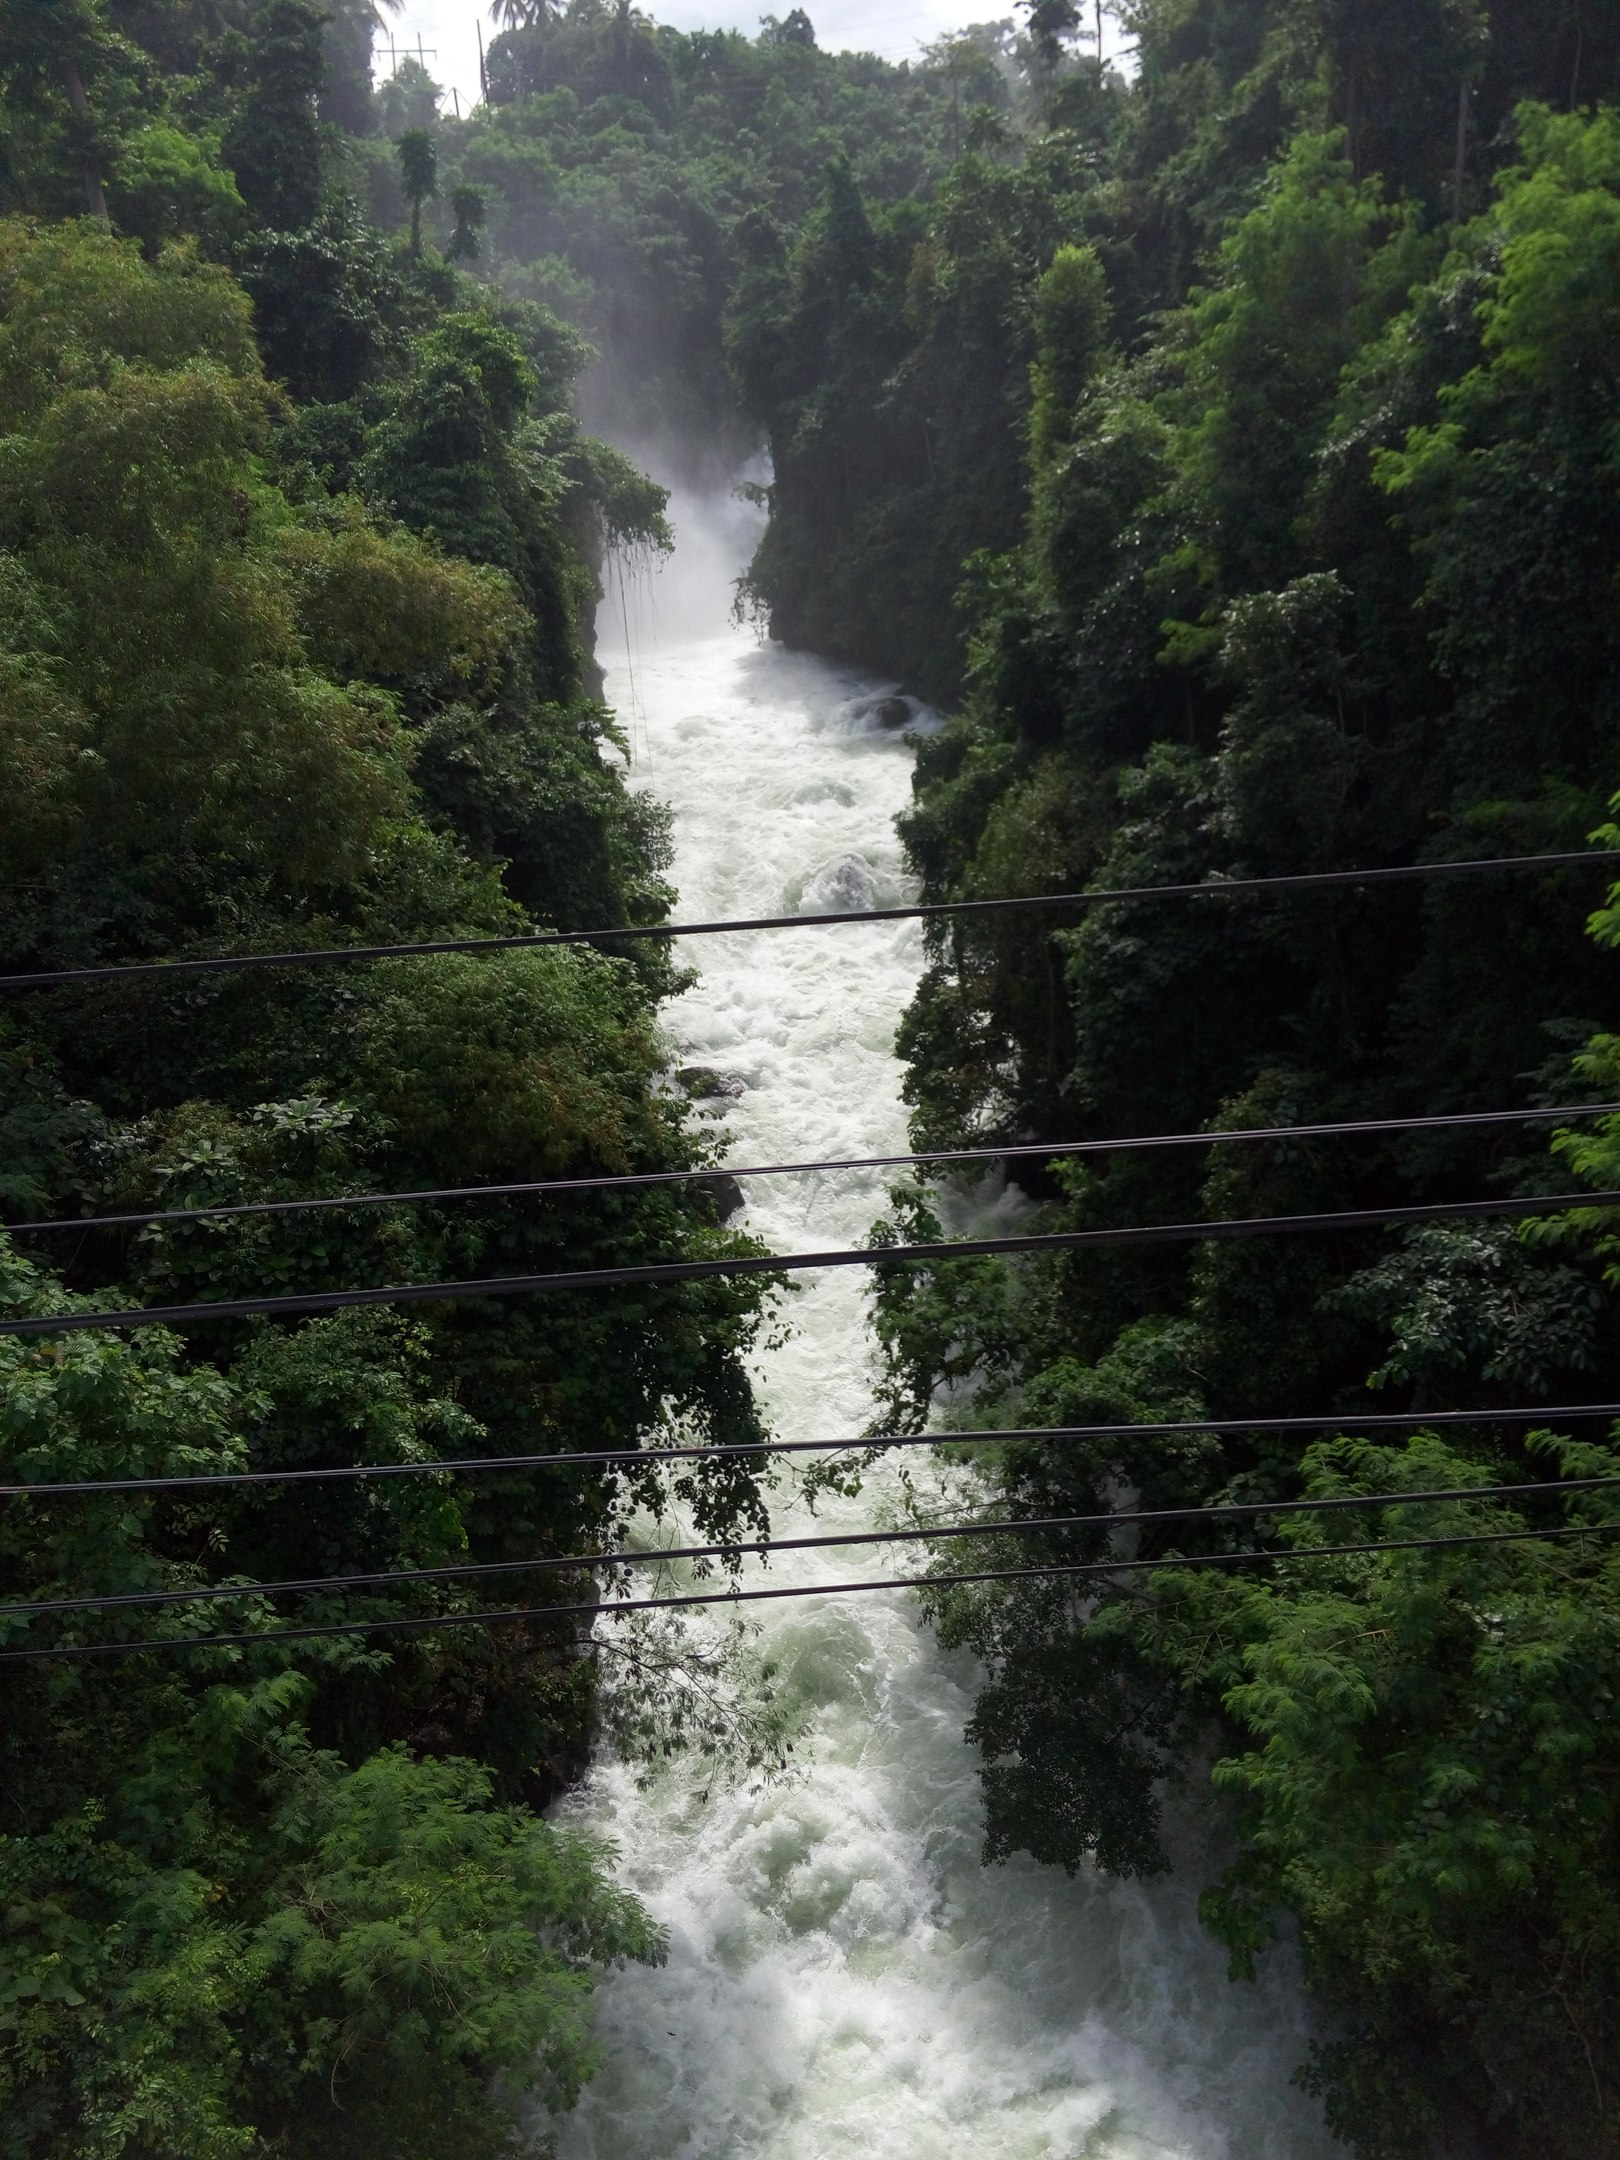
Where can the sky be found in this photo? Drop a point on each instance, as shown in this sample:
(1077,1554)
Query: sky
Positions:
(448,29)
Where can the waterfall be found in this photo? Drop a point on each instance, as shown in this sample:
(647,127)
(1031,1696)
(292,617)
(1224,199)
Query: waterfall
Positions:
(845,1978)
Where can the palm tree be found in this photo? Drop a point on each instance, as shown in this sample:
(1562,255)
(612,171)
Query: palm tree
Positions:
(524,14)
(418,157)
(376,12)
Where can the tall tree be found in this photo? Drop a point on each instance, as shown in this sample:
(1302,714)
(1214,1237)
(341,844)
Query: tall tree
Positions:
(524,14)
(346,98)
(470,207)
(418,156)
(274,145)
(46,44)
(1051,24)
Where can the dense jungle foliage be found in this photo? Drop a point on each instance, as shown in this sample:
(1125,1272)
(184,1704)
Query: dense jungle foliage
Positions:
(1229,439)
(299,553)
(1236,454)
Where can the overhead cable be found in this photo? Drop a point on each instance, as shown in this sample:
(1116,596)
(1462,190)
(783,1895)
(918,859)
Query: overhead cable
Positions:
(763,1548)
(1021,1150)
(434,1622)
(655,1457)
(672,1271)
(1208,888)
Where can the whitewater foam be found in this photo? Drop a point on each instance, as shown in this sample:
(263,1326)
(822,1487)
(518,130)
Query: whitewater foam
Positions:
(845,1977)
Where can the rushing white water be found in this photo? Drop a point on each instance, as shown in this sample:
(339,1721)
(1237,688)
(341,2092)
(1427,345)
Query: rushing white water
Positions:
(845,1977)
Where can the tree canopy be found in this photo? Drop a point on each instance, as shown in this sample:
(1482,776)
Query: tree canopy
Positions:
(1227,440)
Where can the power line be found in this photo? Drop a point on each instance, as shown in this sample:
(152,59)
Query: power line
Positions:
(1217,888)
(763,1548)
(478,1465)
(618,1607)
(671,1271)
(229,1210)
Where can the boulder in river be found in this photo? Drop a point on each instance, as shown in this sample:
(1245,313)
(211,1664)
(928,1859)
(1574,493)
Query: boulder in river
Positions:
(717,1199)
(883,712)
(704,1084)
(846,885)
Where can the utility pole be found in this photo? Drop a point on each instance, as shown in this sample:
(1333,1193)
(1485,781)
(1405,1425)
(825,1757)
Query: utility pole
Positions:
(424,53)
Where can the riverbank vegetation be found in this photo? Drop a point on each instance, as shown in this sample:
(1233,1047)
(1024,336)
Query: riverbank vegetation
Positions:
(1300,558)
(299,544)
(1228,445)
(1228,441)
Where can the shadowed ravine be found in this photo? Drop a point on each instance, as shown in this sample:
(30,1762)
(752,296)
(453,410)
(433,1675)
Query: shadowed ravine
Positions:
(844,1976)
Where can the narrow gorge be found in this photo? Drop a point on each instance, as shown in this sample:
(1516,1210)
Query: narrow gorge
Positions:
(1179,557)
(845,1976)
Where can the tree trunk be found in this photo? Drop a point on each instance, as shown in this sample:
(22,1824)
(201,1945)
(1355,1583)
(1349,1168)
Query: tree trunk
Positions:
(1460,175)
(94,194)
(416,225)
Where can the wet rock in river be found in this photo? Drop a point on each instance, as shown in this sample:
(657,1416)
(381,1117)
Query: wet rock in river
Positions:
(704,1084)
(847,885)
(717,1199)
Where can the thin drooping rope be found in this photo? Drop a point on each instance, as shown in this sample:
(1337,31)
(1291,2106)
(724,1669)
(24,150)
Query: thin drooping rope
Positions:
(673,1271)
(1050,1150)
(764,1548)
(743,1451)
(527,1614)
(1212,888)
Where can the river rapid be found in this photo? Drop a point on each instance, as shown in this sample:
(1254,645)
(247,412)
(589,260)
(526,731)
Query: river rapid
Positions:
(844,1977)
